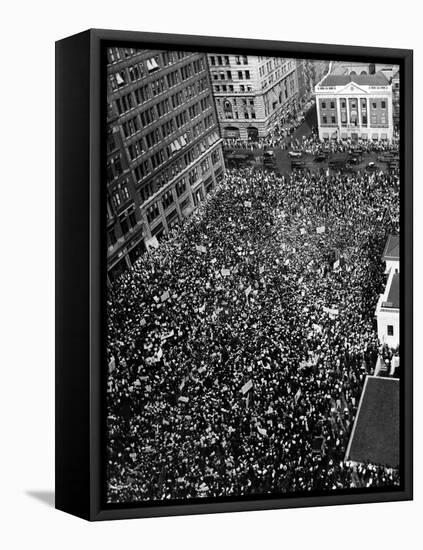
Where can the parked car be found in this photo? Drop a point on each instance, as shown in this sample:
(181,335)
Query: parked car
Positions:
(297,164)
(320,158)
(269,157)
(295,154)
(371,167)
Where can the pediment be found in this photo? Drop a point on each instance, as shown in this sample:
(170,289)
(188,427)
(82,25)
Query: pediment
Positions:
(351,89)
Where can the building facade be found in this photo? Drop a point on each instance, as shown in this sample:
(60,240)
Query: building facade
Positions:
(252,94)
(396,99)
(387,308)
(354,106)
(164,151)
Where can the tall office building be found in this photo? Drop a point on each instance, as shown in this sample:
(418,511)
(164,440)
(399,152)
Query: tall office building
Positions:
(252,93)
(164,151)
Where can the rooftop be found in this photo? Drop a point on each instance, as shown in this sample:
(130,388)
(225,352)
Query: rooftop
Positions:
(375,436)
(391,251)
(378,79)
(393,299)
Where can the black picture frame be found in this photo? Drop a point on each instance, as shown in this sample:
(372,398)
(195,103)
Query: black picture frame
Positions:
(80,269)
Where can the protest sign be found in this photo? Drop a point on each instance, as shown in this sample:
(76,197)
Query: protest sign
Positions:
(247,387)
(165,296)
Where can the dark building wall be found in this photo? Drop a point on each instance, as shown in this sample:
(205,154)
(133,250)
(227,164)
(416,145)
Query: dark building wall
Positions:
(164,148)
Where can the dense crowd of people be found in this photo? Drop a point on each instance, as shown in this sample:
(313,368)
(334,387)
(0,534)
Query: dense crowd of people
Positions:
(237,351)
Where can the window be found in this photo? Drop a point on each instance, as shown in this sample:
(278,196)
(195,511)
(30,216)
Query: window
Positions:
(229,75)
(152,212)
(158,86)
(212,60)
(332,105)
(205,166)
(247,75)
(383,104)
(163,107)
(141,94)
(240,75)
(237,60)
(146,192)
(130,127)
(116,199)
(147,116)
(390,330)
(181,187)
(374,104)
(226,57)
(141,171)
(134,73)
(157,159)
(167,199)
(215,156)
(172,79)
(219,60)
(177,99)
(152,138)
(186,71)
(112,237)
(333,120)
(323,104)
(245,59)
(325,120)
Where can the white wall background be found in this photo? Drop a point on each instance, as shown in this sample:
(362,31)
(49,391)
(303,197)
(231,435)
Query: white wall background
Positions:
(28,32)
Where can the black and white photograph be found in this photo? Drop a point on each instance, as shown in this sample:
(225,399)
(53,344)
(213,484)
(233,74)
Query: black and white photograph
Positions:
(252,341)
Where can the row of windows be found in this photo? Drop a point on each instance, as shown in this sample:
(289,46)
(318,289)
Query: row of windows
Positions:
(374,119)
(231,88)
(125,76)
(127,221)
(168,198)
(353,104)
(114,167)
(173,168)
(281,64)
(166,58)
(132,126)
(224,59)
(223,75)
(142,94)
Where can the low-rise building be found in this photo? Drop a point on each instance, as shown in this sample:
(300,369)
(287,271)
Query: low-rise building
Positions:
(354,106)
(388,313)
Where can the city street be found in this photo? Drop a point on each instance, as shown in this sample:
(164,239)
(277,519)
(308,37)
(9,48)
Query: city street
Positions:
(283,161)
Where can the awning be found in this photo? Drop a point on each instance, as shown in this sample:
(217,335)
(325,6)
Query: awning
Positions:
(375,136)
(384,136)
(119,79)
(364,136)
(152,64)
(325,135)
(183,141)
(177,145)
(344,135)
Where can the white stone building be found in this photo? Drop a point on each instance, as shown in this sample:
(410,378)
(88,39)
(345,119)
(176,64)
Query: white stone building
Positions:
(354,106)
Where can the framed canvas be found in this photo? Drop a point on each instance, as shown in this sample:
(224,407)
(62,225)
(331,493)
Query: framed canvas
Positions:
(229,220)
